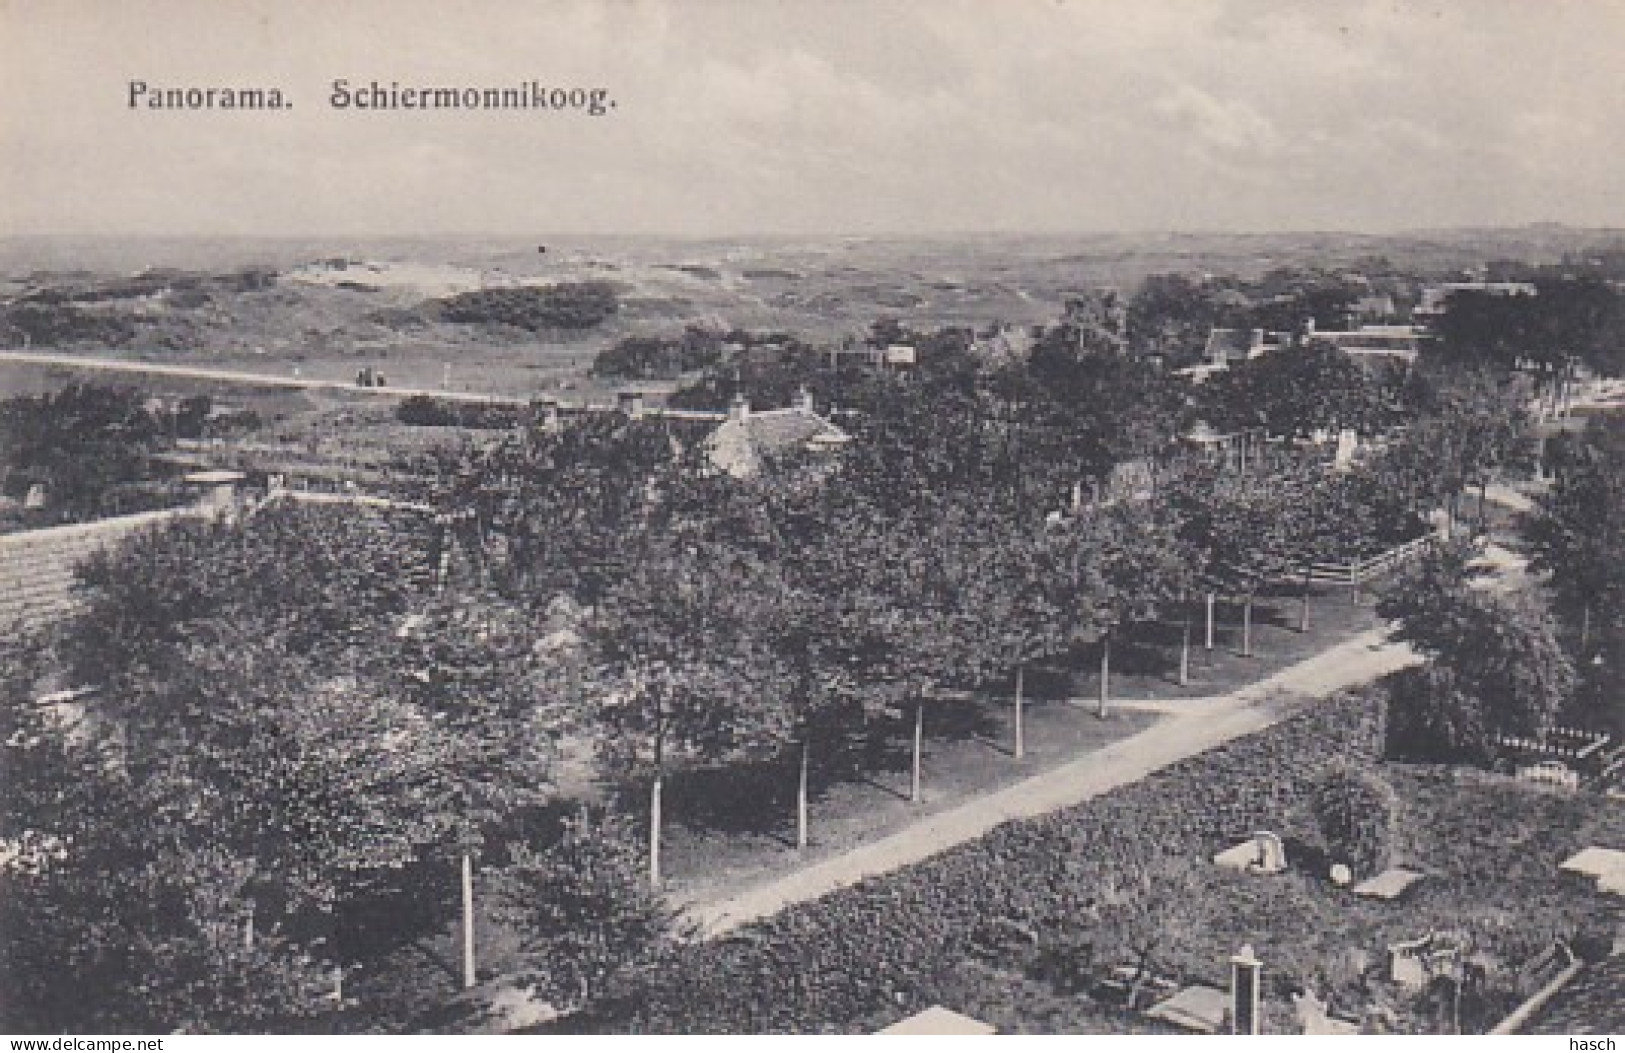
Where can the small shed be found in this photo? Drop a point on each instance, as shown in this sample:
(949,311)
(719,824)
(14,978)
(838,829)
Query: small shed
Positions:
(1197,1008)
(216,488)
(1388,885)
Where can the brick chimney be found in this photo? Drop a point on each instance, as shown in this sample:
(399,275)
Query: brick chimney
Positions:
(548,418)
(630,403)
(803,400)
(739,408)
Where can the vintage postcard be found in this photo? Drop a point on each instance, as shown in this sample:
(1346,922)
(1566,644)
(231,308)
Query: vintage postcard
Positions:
(811,517)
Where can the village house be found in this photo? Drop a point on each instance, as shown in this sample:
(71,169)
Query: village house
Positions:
(1226,347)
(1402,342)
(744,442)
(1435,297)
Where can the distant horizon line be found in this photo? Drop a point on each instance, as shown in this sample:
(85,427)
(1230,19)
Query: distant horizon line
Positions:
(542,237)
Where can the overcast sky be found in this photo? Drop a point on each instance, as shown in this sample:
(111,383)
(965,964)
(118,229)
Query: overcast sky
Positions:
(822,116)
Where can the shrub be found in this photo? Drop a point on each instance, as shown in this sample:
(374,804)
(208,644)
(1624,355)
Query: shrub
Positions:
(65,325)
(429,412)
(1430,718)
(1358,814)
(568,305)
(660,358)
(582,908)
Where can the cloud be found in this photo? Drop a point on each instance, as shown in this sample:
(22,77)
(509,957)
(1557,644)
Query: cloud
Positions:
(741,116)
(1230,126)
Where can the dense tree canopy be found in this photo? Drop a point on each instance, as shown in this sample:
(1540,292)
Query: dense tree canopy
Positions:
(1578,529)
(82,443)
(1297,392)
(1500,652)
(1564,318)
(108,919)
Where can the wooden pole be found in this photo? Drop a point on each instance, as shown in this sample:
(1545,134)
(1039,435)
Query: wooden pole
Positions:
(1185,652)
(469,977)
(1021,741)
(1303,617)
(919,745)
(801,792)
(1247,627)
(654,830)
(1210,621)
(1105,674)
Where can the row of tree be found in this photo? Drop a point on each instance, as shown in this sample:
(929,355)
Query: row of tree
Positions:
(731,620)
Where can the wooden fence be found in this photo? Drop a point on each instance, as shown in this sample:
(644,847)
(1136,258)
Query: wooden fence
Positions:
(1359,571)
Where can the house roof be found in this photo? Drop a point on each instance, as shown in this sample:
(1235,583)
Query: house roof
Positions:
(739,443)
(1360,340)
(938,1021)
(1230,344)
(1237,340)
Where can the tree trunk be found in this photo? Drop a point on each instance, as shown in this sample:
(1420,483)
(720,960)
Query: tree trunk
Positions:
(1185,652)
(654,830)
(1247,627)
(1105,674)
(248,932)
(1303,615)
(1483,504)
(919,745)
(1021,740)
(1210,621)
(801,792)
(470,978)
(1585,628)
